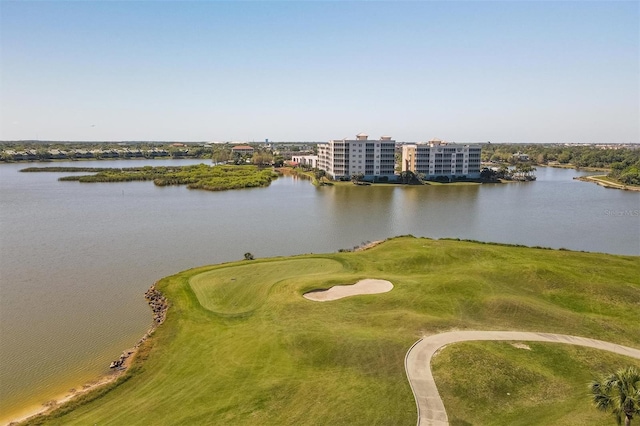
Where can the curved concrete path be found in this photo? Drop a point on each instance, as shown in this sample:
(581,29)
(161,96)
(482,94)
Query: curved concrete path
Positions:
(417,363)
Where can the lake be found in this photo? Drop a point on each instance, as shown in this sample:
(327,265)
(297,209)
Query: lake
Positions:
(76,258)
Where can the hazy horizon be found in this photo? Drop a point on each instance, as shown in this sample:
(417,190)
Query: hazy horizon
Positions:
(295,141)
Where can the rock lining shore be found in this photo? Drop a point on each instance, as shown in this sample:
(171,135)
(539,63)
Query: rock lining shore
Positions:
(159,306)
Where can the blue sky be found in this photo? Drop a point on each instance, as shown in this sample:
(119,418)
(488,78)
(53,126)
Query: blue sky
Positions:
(513,71)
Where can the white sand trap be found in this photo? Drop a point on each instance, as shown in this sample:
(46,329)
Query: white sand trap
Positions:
(367,286)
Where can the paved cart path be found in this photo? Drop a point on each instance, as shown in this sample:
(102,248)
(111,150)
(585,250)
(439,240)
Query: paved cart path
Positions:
(431,411)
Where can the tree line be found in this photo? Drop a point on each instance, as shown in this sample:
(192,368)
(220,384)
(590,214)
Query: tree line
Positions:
(578,155)
(623,162)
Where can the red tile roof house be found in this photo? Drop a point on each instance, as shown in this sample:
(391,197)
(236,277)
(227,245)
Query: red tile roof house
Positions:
(242,149)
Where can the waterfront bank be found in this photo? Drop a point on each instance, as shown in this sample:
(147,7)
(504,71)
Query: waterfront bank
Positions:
(207,362)
(93,250)
(118,368)
(605,182)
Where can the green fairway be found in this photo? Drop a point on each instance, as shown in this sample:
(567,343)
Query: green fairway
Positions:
(241,346)
(240,289)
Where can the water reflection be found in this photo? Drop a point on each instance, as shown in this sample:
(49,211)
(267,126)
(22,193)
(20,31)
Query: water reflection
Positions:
(438,211)
(360,213)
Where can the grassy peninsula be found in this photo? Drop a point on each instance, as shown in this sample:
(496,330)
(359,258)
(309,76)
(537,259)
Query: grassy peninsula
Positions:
(240,345)
(201,176)
(609,182)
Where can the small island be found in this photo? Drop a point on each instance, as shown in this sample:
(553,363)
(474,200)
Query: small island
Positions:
(201,176)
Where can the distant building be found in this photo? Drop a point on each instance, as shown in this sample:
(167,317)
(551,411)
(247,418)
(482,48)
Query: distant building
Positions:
(520,156)
(242,149)
(437,159)
(306,160)
(82,153)
(375,159)
(56,154)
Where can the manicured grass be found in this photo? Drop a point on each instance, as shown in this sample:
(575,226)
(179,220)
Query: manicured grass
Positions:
(254,351)
(241,289)
(498,383)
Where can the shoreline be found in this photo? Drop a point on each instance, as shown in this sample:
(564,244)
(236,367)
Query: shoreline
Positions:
(157,388)
(60,400)
(571,166)
(119,367)
(606,184)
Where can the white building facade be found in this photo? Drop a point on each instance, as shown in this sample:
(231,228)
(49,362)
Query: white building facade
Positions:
(438,160)
(306,160)
(343,158)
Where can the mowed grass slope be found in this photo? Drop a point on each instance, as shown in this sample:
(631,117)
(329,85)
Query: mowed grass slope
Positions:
(531,383)
(242,346)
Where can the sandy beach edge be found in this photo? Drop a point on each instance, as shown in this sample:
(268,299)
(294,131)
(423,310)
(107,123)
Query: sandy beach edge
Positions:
(63,398)
(159,306)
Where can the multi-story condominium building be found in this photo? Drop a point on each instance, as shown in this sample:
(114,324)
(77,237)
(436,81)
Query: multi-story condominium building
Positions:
(437,159)
(343,158)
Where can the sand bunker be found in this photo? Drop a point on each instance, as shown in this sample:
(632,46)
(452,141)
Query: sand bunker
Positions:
(367,286)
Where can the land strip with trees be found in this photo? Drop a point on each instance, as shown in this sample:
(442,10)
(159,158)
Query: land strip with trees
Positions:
(621,162)
(201,176)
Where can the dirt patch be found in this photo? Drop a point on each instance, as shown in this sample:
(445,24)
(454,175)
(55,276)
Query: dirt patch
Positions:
(521,346)
(369,245)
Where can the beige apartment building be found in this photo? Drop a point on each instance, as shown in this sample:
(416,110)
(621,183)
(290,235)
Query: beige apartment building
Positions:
(343,158)
(437,159)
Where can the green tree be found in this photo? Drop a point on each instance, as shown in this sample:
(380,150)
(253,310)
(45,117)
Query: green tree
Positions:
(504,172)
(221,155)
(262,158)
(564,158)
(619,393)
(6,156)
(408,177)
(175,152)
(524,170)
(488,175)
(42,153)
(630,176)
